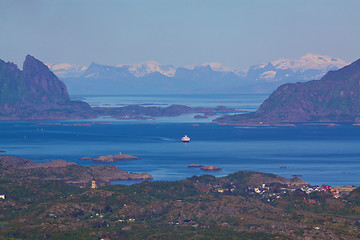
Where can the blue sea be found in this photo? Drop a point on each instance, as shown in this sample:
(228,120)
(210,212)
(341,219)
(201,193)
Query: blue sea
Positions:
(321,154)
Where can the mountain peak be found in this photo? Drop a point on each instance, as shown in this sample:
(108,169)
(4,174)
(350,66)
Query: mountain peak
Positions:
(215,66)
(35,93)
(42,83)
(350,71)
(309,61)
(31,61)
(66,70)
(144,68)
(332,98)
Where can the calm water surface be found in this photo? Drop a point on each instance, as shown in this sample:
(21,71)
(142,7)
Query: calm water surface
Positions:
(323,155)
(246,102)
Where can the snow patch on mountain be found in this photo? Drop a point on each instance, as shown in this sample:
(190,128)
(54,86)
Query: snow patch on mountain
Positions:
(145,68)
(66,70)
(260,66)
(268,75)
(215,66)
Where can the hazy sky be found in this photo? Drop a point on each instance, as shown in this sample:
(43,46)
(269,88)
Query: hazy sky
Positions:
(178,32)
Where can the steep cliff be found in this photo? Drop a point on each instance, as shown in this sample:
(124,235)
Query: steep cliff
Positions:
(42,85)
(36,93)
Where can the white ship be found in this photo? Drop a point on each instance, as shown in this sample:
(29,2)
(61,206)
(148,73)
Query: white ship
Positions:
(185,139)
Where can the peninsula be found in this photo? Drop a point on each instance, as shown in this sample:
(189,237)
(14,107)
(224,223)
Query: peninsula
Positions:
(333,98)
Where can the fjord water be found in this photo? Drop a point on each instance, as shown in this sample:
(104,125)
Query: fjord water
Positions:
(321,154)
(245,102)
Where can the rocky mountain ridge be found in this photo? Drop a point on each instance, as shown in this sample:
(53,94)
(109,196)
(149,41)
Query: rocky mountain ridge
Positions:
(333,98)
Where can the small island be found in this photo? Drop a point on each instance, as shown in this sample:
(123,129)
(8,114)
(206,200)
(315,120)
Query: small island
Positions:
(198,116)
(205,168)
(210,168)
(111,158)
(195,166)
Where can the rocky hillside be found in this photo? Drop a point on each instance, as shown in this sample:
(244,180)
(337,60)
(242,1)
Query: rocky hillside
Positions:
(67,172)
(237,206)
(36,93)
(335,97)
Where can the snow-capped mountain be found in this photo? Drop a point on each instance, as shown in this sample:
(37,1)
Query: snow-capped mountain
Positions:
(145,68)
(152,77)
(98,71)
(66,70)
(309,61)
(308,67)
(218,67)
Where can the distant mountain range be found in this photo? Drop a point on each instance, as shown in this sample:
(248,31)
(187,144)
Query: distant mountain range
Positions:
(207,78)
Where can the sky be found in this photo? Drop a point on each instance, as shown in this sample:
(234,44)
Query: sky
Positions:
(236,33)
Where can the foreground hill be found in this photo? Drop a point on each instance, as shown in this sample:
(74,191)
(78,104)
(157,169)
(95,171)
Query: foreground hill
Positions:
(237,206)
(36,93)
(67,172)
(333,98)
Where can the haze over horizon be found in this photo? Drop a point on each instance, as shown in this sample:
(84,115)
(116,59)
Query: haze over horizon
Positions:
(237,34)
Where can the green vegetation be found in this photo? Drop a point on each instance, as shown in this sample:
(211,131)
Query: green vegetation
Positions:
(200,207)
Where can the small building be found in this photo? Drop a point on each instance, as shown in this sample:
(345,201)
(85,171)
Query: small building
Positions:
(93,184)
(2,196)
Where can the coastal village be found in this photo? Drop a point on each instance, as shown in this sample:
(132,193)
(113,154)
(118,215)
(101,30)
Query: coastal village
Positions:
(271,192)
(270,195)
